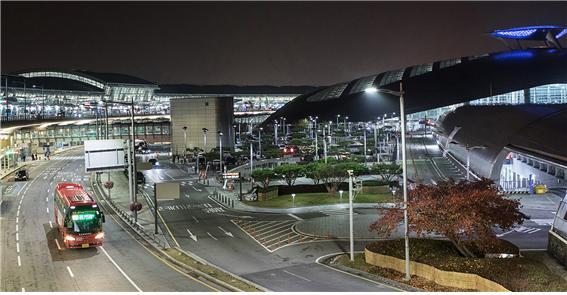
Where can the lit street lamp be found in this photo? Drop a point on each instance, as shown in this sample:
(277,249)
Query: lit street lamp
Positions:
(185,138)
(324,144)
(276,133)
(220,151)
(341,196)
(350,211)
(205,139)
(338,116)
(400,93)
(260,142)
(292,200)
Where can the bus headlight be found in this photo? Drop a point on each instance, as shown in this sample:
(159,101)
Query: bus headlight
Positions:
(69,238)
(100,235)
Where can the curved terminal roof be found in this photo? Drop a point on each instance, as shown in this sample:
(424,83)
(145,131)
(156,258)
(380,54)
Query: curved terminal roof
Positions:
(182,89)
(536,129)
(432,85)
(95,79)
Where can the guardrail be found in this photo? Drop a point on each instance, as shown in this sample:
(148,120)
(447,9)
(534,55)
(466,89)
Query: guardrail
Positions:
(127,218)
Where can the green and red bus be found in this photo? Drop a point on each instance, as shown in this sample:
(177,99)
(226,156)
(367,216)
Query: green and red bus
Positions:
(78,217)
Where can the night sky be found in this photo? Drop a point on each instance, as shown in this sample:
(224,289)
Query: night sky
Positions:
(254,43)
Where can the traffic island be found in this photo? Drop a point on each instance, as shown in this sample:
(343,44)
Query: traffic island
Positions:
(439,261)
(317,199)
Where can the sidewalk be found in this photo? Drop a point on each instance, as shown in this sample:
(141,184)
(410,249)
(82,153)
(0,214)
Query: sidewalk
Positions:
(120,200)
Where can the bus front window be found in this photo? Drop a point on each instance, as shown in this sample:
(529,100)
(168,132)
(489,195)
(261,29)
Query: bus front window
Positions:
(85,221)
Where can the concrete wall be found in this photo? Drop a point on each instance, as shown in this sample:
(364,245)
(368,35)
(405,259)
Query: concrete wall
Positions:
(213,113)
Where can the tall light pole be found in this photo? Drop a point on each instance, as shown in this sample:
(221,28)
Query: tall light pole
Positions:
(316,145)
(404,169)
(345,122)
(185,140)
(276,133)
(350,212)
(376,142)
(324,144)
(220,151)
(338,116)
(205,139)
(364,136)
(260,142)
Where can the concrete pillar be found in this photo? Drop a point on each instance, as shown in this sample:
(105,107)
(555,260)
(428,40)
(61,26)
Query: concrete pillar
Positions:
(527,98)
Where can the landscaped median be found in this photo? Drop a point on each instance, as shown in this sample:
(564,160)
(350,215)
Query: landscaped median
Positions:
(315,199)
(438,266)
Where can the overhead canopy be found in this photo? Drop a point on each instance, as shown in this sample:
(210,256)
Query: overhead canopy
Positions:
(433,85)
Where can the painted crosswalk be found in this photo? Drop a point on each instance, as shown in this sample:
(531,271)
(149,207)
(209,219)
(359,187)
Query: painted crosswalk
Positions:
(272,235)
(521,229)
(336,212)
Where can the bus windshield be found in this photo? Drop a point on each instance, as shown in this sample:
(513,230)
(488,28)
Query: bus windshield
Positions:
(85,220)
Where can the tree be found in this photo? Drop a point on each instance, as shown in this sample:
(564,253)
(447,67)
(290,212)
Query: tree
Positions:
(464,212)
(386,171)
(332,175)
(264,176)
(289,172)
(311,170)
(273,153)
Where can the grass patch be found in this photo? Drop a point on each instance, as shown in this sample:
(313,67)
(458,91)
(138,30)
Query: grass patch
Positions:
(212,271)
(314,199)
(520,274)
(421,283)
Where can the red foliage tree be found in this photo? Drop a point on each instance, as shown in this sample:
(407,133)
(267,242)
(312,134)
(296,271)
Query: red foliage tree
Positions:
(463,212)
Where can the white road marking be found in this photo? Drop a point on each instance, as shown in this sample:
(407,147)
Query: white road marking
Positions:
(18,213)
(47,199)
(50,224)
(19,261)
(47,209)
(297,276)
(19,207)
(16,227)
(191,235)
(17,237)
(70,272)
(212,236)
(57,243)
(294,216)
(120,269)
(18,247)
(226,232)
(195,218)
(23,289)
(17,219)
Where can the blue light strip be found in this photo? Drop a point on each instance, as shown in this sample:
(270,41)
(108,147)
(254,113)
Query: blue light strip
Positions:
(525,32)
(561,34)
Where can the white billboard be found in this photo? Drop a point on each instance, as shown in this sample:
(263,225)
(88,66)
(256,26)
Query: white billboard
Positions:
(104,155)
(167,190)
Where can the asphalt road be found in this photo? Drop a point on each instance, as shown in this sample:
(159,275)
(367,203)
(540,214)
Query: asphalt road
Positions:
(202,226)
(30,258)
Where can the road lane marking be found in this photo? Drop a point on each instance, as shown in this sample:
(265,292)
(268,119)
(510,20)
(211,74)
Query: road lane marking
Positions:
(18,213)
(47,199)
(47,209)
(16,227)
(191,235)
(297,276)
(120,269)
(50,224)
(18,247)
(19,261)
(70,272)
(226,232)
(23,289)
(17,219)
(195,218)
(57,243)
(17,237)
(294,216)
(212,236)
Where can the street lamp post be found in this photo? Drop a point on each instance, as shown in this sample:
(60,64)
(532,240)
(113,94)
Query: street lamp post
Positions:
(345,123)
(404,170)
(324,145)
(260,142)
(338,116)
(205,139)
(350,211)
(185,140)
(376,142)
(220,151)
(275,133)
(364,136)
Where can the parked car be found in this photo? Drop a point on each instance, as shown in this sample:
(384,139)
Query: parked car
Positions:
(308,158)
(22,175)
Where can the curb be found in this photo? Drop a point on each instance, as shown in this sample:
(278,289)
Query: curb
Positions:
(158,247)
(372,277)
